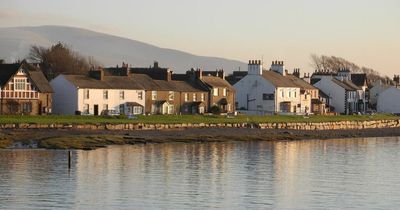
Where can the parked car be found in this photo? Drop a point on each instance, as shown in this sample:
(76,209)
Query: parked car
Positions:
(109,112)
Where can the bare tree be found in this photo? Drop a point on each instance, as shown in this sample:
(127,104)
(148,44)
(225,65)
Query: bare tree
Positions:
(59,59)
(334,64)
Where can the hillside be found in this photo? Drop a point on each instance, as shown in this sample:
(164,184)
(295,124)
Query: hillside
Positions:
(107,49)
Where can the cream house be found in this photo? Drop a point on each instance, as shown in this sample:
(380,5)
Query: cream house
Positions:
(90,95)
(267,92)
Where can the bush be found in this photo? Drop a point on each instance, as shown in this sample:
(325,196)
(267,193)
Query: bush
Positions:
(215,110)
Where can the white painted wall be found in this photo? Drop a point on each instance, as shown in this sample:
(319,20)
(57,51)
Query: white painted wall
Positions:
(114,101)
(254,86)
(374,92)
(68,98)
(389,101)
(333,90)
(64,97)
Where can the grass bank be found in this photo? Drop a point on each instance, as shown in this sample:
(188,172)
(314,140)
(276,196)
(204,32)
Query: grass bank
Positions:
(169,119)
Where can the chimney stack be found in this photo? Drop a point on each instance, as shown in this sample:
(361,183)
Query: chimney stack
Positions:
(96,73)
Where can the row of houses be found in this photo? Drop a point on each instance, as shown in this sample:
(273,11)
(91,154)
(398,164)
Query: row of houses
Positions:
(125,90)
(156,90)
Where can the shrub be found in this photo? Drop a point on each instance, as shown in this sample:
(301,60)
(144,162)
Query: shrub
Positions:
(215,110)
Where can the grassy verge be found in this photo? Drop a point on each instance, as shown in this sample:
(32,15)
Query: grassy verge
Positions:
(169,119)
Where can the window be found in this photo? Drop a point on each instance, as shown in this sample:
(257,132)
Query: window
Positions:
(153,95)
(224,92)
(186,97)
(268,96)
(86,94)
(86,108)
(19,84)
(194,97)
(171,95)
(105,106)
(282,94)
(215,91)
(295,94)
(140,95)
(105,94)
(121,95)
(137,110)
(202,97)
(27,107)
(290,93)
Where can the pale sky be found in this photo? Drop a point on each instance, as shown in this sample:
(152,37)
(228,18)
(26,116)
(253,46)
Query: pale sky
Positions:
(366,32)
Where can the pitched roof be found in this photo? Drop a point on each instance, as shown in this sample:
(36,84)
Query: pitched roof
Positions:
(346,84)
(213,81)
(277,79)
(109,82)
(359,79)
(34,74)
(301,83)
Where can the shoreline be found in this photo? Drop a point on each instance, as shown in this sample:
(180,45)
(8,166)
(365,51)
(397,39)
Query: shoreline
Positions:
(93,139)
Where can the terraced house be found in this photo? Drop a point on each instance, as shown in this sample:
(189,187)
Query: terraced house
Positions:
(96,93)
(24,90)
(165,95)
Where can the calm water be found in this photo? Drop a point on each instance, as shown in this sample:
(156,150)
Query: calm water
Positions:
(329,174)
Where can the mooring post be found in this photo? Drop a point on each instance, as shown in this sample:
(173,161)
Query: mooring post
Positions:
(69,158)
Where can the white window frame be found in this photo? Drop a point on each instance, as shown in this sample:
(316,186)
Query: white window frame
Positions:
(86,94)
(153,95)
(194,97)
(202,97)
(19,84)
(224,92)
(105,94)
(122,95)
(186,97)
(140,95)
(215,91)
(171,95)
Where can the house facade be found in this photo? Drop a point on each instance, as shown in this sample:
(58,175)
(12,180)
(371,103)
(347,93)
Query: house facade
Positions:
(388,101)
(267,91)
(344,96)
(24,90)
(165,95)
(94,93)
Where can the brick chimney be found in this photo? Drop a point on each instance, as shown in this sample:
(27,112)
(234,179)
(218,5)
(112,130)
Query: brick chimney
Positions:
(168,75)
(221,73)
(125,70)
(156,66)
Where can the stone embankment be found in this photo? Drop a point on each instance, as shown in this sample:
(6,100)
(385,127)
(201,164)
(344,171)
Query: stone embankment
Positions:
(342,125)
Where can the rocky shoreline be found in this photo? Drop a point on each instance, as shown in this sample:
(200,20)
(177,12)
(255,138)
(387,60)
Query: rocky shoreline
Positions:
(92,139)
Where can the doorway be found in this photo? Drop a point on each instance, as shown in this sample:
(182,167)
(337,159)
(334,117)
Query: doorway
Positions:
(96,109)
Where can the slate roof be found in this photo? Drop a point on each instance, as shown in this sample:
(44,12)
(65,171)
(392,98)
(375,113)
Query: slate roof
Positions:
(134,82)
(34,74)
(277,79)
(301,83)
(359,79)
(235,77)
(213,81)
(109,82)
(346,84)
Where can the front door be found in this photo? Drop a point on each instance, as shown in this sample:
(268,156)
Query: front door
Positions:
(96,109)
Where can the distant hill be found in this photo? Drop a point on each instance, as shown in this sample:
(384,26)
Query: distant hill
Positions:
(107,49)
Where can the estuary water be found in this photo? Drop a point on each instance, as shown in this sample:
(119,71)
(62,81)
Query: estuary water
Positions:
(312,174)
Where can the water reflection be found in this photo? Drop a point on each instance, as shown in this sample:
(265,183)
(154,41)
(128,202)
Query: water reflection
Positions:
(275,175)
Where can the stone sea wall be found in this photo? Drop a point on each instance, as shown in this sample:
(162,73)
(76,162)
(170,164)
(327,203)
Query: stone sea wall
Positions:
(342,125)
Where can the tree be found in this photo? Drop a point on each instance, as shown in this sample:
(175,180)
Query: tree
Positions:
(1,61)
(58,59)
(334,64)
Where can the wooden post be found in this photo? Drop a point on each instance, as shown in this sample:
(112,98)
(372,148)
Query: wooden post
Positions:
(69,158)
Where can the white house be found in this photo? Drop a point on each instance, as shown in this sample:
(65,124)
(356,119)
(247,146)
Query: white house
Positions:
(74,94)
(377,88)
(343,94)
(389,101)
(267,92)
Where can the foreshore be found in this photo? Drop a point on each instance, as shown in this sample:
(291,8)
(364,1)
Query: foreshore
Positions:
(92,139)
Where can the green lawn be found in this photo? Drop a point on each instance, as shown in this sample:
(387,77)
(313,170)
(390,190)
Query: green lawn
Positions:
(184,119)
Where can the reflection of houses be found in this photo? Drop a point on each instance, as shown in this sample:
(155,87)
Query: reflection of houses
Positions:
(267,92)
(94,93)
(345,96)
(24,90)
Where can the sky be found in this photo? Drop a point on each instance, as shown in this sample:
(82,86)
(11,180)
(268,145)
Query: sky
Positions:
(366,32)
